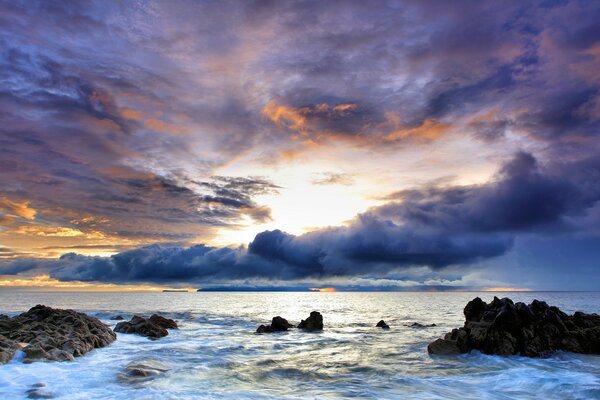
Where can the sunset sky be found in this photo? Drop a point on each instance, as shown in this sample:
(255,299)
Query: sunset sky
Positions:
(374,145)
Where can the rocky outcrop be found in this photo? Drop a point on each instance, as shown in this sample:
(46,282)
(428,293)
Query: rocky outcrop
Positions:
(418,325)
(117,318)
(44,333)
(278,324)
(505,328)
(163,322)
(313,323)
(154,327)
(381,324)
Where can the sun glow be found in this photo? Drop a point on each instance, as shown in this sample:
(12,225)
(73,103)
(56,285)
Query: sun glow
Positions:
(323,289)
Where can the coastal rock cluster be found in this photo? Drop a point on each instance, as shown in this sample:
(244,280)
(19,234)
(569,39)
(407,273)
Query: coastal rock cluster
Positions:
(381,324)
(51,334)
(535,330)
(154,327)
(313,323)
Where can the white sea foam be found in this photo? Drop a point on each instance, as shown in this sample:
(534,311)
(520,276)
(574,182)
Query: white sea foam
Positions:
(216,353)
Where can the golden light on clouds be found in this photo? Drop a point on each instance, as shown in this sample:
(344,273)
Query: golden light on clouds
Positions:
(47,283)
(428,130)
(505,289)
(323,289)
(20,209)
(57,231)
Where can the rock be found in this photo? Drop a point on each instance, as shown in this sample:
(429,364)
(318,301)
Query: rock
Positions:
(278,324)
(154,327)
(163,322)
(39,394)
(117,318)
(381,324)
(313,323)
(45,333)
(141,371)
(536,330)
(443,347)
(418,325)
(8,348)
(264,329)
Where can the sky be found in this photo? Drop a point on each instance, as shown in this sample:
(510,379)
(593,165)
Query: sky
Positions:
(356,145)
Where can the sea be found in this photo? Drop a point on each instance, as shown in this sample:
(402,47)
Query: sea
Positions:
(216,353)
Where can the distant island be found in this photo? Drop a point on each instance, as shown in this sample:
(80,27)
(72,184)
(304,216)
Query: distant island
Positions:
(175,290)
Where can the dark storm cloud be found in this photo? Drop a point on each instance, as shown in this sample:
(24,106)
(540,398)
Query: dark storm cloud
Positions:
(434,228)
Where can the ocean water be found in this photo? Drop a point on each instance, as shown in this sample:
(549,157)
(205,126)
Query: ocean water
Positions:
(216,354)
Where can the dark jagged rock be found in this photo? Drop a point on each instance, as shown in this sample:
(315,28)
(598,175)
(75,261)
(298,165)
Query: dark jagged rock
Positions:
(163,322)
(505,328)
(44,333)
(313,323)
(278,324)
(141,371)
(117,318)
(381,324)
(154,327)
(418,325)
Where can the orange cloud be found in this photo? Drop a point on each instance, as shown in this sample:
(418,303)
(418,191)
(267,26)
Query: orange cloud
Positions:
(56,231)
(20,209)
(428,130)
(289,117)
(151,122)
(45,282)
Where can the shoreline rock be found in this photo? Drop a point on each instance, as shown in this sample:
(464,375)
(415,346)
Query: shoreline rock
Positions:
(154,327)
(313,323)
(419,325)
(44,333)
(381,324)
(278,324)
(505,328)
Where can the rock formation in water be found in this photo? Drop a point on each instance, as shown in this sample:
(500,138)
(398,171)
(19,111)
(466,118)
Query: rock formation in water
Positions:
(381,324)
(141,371)
(419,325)
(154,327)
(313,323)
(38,391)
(278,324)
(44,333)
(505,328)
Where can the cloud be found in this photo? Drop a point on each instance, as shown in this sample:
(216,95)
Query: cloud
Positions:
(20,209)
(332,178)
(434,228)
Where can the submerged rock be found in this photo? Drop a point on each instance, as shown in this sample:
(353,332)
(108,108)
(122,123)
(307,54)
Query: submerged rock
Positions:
(505,328)
(278,324)
(154,327)
(418,325)
(141,371)
(37,391)
(117,318)
(313,323)
(381,324)
(44,333)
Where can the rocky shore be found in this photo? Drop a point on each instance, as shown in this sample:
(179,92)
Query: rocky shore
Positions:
(154,327)
(45,333)
(314,322)
(506,328)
